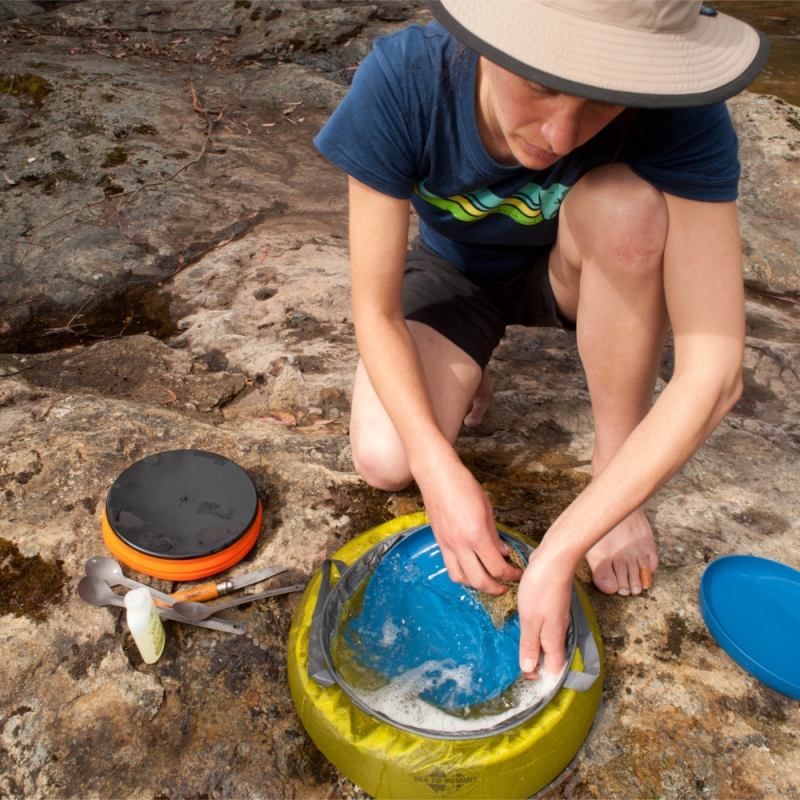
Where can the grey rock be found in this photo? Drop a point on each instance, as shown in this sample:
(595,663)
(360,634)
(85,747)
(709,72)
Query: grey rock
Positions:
(769,136)
(13,9)
(208,308)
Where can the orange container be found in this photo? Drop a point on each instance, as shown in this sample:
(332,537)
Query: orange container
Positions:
(182,515)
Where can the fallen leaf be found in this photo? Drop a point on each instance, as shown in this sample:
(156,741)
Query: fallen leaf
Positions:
(772,216)
(173,397)
(4,327)
(323,421)
(8,180)
(239,122)
(195,103)
(264,254)
(281,418)
(787,299)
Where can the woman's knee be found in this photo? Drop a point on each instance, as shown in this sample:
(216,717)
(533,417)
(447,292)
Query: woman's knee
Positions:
(618,219)
(380,464)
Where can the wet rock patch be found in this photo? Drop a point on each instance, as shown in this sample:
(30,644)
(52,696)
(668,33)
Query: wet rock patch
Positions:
(29,585)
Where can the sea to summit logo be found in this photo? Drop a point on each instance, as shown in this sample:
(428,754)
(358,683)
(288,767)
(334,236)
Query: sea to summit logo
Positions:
(444,783)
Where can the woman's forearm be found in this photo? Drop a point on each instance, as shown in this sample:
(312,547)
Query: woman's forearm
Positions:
(378,245)
(688,410)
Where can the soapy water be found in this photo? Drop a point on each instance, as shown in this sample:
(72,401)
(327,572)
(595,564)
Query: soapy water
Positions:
(400,701)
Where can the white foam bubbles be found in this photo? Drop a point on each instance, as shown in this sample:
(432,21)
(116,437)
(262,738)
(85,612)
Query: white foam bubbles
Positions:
(389,633)
(400,702)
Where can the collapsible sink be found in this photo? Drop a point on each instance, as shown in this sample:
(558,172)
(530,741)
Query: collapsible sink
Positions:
(182,515)
(478,756)
(752,608)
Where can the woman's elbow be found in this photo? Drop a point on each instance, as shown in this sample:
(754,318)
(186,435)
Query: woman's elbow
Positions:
(736,389)
(730,390)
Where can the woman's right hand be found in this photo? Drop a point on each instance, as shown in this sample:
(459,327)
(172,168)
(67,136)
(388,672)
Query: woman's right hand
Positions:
(463,524)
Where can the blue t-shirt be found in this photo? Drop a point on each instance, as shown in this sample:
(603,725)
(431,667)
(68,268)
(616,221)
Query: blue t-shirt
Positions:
(408,128)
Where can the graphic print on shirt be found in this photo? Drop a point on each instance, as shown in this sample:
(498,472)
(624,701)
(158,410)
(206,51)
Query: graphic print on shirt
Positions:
(527,206)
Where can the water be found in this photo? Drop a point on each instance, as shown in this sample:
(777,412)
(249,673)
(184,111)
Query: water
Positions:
(780,22)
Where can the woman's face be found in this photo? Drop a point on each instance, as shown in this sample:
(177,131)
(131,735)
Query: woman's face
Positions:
(522,122)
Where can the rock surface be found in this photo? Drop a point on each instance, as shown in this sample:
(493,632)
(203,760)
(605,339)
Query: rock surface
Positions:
(174,275)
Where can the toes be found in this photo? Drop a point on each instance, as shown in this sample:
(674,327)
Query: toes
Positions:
(646,577)
(473,419)
(475,414)
(625,586)
(604,578)
(632,574)
(639,579)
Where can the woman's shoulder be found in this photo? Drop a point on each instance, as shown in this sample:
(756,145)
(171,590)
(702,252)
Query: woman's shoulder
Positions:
(685,123)
(417,48)
(689,152)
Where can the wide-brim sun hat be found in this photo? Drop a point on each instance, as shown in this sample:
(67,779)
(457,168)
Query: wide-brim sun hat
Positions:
(637,53)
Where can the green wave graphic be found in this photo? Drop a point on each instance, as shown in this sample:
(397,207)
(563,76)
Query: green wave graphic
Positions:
(529,206)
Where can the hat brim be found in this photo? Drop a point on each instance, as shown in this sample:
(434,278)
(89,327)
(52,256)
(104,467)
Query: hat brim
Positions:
(719,58)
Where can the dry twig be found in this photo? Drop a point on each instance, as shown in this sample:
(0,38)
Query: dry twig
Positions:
(52,400)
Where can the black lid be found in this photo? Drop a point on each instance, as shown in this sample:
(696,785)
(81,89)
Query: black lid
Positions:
(182,504)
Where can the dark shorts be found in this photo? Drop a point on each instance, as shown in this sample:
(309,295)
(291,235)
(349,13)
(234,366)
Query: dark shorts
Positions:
(473,312)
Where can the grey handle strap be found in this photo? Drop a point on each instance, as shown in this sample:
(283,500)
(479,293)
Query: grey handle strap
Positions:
(583,681)
(317,668)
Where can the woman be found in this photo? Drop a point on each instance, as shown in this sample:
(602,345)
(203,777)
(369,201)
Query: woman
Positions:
(572,164)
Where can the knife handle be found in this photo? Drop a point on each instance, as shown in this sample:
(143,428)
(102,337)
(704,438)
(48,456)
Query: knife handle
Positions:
(206,591)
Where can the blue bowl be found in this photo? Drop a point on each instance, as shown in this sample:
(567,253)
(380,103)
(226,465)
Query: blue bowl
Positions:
(415,617)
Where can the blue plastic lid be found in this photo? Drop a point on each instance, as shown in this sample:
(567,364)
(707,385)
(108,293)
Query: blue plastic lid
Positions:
(752,608)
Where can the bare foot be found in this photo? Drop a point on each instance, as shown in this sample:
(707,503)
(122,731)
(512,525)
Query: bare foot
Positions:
(481,401)
(617,558)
